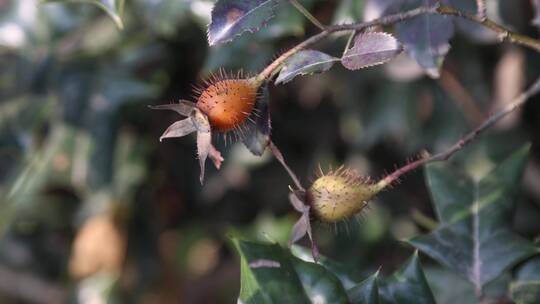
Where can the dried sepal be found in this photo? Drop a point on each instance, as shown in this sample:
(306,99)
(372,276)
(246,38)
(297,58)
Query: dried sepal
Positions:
(183,107)
(195,122)
(179,129)
(205,148)
(296,202)
(303,226)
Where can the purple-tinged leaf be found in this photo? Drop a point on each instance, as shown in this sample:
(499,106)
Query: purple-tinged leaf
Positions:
(231,18)
(426,37)
(256,135)
(536,6)
(374,9)
(179,129)
(184,107)
(304,63)
(371,49)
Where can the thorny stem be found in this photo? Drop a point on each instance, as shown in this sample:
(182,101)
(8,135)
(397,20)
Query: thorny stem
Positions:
(307,14)
(505,34)
(442,156)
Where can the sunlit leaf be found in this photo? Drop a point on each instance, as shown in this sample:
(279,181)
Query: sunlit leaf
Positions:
(304,63)
(269,274)
(526,288)
(114,8)
(233,17)
(371,49)
(474,238)
(426,37)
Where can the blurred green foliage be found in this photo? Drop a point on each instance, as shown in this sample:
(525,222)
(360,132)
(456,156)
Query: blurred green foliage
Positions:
(77,142)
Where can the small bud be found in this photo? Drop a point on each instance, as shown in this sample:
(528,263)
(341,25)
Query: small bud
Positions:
(340,194)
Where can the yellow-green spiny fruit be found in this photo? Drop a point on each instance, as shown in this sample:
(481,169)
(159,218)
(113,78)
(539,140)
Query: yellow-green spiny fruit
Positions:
(341,194)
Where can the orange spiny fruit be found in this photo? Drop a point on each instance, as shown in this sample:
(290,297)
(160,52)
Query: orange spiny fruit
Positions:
(228,102)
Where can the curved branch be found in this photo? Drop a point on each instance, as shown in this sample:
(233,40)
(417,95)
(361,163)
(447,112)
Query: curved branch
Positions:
(504,33)
(518,102)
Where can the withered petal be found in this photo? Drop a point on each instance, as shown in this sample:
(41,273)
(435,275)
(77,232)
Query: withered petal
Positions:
(203,149)
(178,129)
(184,107)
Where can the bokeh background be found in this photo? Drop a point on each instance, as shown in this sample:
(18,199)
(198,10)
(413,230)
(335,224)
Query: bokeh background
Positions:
(94,209)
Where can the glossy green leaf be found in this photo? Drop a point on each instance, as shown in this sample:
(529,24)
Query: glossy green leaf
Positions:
(367,291)
(321,285)
(439,278)
(344,273)
(474,238)
(407,285)
(114,8)
(526,288)
(270,274)
(304,63)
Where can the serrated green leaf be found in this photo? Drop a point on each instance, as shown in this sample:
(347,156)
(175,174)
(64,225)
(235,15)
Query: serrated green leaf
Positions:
(270,274)
(321,285)
(345,275)
(366,292)
(407,285)
(474,238)
(526,288)
(114,8)
(267,275)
